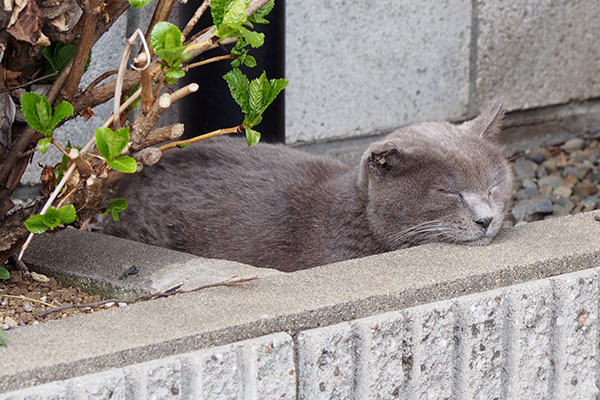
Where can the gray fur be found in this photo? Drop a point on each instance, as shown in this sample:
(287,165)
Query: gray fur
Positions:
(272,206)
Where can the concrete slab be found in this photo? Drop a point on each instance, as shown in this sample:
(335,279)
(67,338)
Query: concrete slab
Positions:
(296,302)
(107,265)
(368,67)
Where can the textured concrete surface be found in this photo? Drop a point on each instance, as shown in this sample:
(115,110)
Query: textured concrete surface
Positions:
(359,68)
(537,53)
(333,296)
(260,368)
(101,264)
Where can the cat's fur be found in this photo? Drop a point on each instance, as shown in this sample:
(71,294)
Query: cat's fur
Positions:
(272,206)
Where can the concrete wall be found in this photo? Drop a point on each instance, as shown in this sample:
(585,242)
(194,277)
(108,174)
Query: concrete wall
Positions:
(538,340)
(361,68)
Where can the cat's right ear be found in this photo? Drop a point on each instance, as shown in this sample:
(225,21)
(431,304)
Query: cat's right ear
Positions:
(489,122)
(383,158)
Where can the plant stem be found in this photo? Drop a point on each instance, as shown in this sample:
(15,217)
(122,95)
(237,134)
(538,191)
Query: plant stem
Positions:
(195,18)
(208,61)
(21,297)
(218,132)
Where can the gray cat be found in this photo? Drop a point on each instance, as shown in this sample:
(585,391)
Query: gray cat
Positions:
(272,206)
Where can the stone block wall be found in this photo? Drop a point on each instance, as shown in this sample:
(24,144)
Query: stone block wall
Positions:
(365,68)
(534,340)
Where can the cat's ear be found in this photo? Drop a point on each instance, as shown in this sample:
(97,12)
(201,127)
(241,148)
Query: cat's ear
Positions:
(489,122)
(381,158)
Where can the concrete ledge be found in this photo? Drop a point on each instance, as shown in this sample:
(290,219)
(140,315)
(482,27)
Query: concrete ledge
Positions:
(484,325)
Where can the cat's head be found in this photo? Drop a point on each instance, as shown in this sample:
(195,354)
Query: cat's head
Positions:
(438,182)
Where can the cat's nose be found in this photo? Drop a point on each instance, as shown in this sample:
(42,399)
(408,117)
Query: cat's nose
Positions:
(484,222)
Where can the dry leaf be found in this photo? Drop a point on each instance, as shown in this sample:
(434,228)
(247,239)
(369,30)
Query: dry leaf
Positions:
(87,113)
(48,179)
(24,23)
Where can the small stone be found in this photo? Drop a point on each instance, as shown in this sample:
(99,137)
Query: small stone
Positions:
(552,181)
(122,304)
(562,191)
(589,204)
(551,165)
(593,175)
(536,156)
(109,304)
(539,205)
(27,306)
(528,193)
(39,277)
(528,184)
(524,168)
(573,145)
(9,323)
(519,211)
(546,190)
(43,298)
(540,171)
(585,188)
(570,181)
(562,207)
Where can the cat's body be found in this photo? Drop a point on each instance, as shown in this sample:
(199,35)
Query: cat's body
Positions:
(272,206)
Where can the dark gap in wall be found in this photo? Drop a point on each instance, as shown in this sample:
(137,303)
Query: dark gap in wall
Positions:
(212,107)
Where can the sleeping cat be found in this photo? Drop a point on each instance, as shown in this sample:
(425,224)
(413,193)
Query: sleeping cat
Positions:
(272,206)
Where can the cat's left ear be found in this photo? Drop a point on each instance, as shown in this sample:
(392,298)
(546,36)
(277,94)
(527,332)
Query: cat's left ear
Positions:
(489,122)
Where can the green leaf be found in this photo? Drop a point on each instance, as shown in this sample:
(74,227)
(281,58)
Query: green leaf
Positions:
(124,164)
(67,214)
(174,75)
(217,9)
(4,274)
(254,39)
(166,40)
(101,143)
(276,86)
(29,107)
(111,143)
(182,145)
(249,61)
(139,3)
(237,14)
(51,218)
(62,111)
(255,101)
(2,336)
(43,143)
(115,207)
(238,86)
(252,136)
(260,14)
(35,224)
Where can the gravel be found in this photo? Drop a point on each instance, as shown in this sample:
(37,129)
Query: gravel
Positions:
(556,181)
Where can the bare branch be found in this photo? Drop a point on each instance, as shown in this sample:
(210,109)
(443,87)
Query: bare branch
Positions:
(152,296)
(195,18)
(218,132)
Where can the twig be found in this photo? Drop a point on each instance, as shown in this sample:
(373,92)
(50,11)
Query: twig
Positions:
(119,86)
(195,18)
(218,132)
(99,79)
(143,126)
(208,61)
(62,201)
(86,41)
(160,135)
(145,80)
(58,146)
(152,296)
(21,297)
(30,82)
